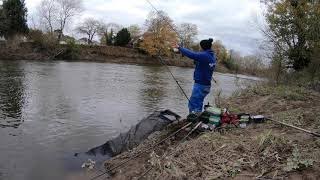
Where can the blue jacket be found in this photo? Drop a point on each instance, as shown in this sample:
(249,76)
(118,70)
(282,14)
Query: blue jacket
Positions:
(205,65)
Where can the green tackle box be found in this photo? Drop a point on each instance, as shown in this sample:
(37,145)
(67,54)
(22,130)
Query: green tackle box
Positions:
(215,120)
(214,110)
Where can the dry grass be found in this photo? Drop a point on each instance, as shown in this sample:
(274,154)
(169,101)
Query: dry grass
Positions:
(260,151)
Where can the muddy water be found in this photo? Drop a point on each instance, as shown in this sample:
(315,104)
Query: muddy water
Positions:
(50,110)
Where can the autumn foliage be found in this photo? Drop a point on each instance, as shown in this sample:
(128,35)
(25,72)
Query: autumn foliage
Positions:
(159,36)
(293,28)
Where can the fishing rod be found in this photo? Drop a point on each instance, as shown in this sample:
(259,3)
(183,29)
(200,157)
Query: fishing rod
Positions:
(185,137)
(180,37)
(161,59)
(196,127)
(140,153)
(174,78)
(170,25)
(294,127)
(182,140)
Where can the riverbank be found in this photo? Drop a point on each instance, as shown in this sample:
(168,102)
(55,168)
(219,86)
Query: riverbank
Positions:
(265,150)
(109,54)
(85,53)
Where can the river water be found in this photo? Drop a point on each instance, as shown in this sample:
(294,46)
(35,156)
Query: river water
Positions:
(51,110)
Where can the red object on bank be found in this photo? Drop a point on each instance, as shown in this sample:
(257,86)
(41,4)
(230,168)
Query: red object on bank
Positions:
(228,118)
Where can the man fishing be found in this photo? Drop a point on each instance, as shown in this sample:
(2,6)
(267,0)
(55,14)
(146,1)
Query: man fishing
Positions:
(205,62)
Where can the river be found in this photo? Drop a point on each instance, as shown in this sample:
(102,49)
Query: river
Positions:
(51,110)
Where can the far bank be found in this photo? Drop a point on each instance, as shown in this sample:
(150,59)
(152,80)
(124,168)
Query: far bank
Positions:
(110,54)
(93,53)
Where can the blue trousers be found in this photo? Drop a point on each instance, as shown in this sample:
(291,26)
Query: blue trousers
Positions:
(199,92)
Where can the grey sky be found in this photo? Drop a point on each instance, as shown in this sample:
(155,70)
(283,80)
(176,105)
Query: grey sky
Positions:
(231,21)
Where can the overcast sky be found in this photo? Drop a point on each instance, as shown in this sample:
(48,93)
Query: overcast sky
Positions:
(231,21)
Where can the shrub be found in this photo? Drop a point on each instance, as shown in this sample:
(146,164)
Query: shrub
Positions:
(36,36)
(14,42)
(47,41)
(297,162)
(231,64)
(72,51)
(123,37)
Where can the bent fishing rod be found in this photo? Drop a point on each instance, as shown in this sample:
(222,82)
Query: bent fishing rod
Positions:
(180,37)
(161,60)
(171,135)
(173,77)
(170,25)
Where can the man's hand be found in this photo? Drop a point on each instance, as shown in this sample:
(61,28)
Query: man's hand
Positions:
(175,45)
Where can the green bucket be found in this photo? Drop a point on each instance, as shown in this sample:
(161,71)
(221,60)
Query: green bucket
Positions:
(215,120)
(214,110)
(204,117)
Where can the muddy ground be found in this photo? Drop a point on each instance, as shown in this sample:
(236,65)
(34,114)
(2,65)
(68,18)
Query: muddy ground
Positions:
(259,151)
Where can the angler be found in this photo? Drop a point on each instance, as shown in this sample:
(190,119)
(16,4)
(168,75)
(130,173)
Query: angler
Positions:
(205,62)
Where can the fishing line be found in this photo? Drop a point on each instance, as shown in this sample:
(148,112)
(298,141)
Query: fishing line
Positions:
(166,21)
(180,37)
(161,59)
(202,33)
(174,78)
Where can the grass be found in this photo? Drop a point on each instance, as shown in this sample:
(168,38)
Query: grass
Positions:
(294,117)
(297,161)
(261,150)
(280,91)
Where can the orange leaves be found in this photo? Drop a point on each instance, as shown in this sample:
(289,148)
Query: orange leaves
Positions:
(159,36)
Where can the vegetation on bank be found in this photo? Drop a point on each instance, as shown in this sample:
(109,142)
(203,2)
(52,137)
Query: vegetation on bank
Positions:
(293,39)
(291,35)
(266,150)
(47,31)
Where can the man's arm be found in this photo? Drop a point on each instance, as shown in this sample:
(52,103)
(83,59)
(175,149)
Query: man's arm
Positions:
(190,54)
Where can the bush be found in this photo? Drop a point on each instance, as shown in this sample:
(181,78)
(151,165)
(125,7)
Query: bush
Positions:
(72,51)
(252,65)
(231,64)
(123,37)
(14,42)
(36,36)
(46,41)
(297,161)
(309,77)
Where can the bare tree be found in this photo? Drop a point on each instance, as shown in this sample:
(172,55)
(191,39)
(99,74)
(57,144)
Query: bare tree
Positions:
(107,27)
(47,11)
(114,26)
(56,14)
(89,27)
(135,30)
(187,33)
(34,22)
(66,11)
(108,31)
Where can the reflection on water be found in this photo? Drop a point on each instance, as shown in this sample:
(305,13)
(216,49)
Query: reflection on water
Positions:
(11,93)
(154,87)
(72,107)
